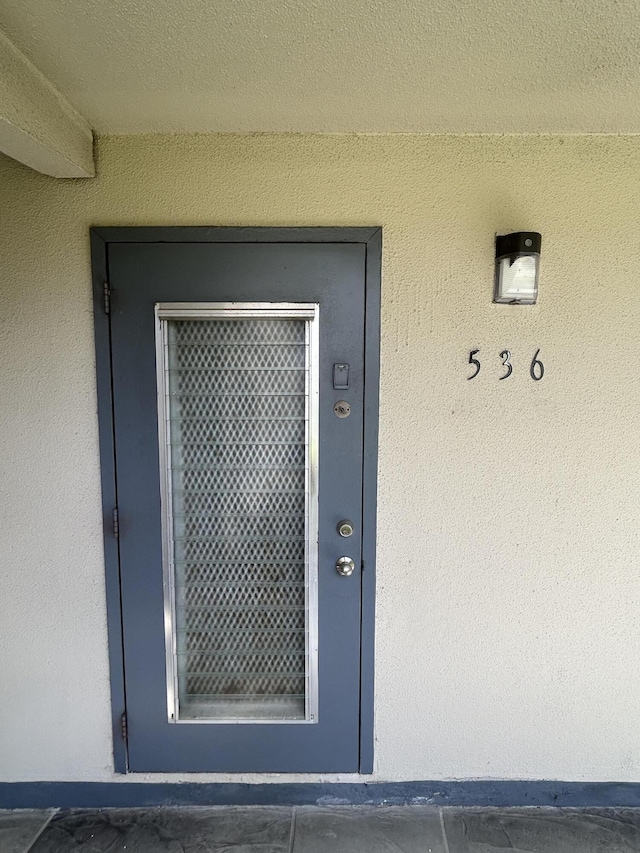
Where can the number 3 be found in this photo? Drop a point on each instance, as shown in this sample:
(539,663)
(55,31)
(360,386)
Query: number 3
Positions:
(505,355)
(475,362)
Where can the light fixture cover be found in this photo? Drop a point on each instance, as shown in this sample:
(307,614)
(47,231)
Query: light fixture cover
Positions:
(517,266)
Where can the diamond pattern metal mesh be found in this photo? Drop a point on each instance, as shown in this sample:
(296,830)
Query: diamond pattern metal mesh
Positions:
(237,407)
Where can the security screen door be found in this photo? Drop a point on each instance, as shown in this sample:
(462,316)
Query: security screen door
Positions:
(237,381)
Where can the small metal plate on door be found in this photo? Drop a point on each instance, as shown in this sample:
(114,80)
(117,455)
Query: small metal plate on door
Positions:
(342,409)
(341,377)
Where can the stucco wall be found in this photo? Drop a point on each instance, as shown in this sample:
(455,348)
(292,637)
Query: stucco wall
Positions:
(509,578)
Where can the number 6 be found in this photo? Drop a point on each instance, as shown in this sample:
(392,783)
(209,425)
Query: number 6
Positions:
(532,369)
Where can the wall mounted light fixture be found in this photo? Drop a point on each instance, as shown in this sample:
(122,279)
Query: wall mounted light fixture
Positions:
(517,265)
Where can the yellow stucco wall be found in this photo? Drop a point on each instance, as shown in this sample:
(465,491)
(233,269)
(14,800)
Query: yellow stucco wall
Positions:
(509,576)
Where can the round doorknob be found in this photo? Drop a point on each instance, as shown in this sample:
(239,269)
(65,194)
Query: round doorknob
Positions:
(345,566)
(345,528)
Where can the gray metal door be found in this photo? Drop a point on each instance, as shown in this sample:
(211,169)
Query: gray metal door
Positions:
(238,382)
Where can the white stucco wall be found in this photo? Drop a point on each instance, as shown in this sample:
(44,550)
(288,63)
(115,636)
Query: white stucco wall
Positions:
(509,580)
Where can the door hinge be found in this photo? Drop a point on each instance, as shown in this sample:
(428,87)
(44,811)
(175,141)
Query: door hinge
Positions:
(107,297)
(123,726)
(116,523)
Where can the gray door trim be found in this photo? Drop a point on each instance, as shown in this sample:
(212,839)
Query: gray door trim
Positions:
(371,237)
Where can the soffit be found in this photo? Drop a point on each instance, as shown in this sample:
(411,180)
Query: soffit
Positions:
(498,66)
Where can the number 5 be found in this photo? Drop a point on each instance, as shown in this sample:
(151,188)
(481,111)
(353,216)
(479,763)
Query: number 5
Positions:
(475,362)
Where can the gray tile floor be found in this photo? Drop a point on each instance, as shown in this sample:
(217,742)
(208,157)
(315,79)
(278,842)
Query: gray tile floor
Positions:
(310,829)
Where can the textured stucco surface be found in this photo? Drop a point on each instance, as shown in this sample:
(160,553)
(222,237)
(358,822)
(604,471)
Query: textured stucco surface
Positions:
(38,126)
(500,66)
(508,594)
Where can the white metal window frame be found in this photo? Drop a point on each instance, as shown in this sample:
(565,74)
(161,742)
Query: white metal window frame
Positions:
(165,311)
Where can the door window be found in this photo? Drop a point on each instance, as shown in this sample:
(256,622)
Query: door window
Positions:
(238,425)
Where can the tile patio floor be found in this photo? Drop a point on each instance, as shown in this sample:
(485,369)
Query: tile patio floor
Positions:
(310,829)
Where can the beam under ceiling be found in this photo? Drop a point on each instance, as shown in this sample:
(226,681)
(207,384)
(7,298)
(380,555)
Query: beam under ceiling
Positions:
(38,126)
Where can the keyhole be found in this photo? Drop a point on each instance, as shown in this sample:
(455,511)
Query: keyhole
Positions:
(342,409)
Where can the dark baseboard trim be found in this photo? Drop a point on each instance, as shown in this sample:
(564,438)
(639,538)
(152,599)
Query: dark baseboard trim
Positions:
(16,795)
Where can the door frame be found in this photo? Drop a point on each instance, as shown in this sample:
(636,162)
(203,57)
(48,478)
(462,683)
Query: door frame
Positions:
(371,238)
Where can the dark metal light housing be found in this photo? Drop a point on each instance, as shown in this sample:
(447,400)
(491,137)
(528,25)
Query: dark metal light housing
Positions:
(517,267)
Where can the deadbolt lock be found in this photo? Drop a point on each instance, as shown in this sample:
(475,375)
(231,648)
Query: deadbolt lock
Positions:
(345,566)
(345,528)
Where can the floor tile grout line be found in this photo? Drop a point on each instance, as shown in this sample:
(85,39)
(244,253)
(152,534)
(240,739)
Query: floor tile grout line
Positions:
(443,828)
(46,823)
(292,831)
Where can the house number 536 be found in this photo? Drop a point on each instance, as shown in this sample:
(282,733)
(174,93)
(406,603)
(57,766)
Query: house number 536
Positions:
(536,368)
